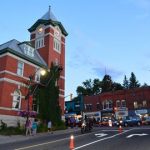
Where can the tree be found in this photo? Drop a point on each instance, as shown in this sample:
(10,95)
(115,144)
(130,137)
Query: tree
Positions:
(125,83)
(106,83)
(133,83)
(49,108)
(117,86)
(89,87)
(97,86)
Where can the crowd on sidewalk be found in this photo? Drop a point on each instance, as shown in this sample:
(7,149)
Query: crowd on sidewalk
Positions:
(32,125)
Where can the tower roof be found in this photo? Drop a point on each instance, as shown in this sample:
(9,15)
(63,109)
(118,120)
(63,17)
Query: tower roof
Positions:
(49,15)
(48,19)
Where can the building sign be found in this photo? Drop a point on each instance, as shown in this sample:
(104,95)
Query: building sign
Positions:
(121,114)
(141,111)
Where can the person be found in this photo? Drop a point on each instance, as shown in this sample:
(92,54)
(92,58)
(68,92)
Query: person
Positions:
(3,125)
(28,127)
(34,127)
(49,126)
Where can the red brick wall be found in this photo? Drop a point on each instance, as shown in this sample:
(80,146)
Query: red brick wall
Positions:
(138,94)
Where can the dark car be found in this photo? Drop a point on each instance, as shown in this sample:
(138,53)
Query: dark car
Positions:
(131,121)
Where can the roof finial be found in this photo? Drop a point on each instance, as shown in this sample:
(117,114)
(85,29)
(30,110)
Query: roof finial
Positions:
(105,71)
(49,8)
(49,11)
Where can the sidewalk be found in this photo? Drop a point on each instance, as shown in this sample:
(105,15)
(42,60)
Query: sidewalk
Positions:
(14,138)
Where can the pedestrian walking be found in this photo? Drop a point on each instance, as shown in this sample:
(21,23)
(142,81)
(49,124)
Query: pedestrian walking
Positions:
(49,126)
(28,127)
(34,127)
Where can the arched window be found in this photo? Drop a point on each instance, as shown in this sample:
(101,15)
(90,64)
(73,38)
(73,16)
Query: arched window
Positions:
(16,99)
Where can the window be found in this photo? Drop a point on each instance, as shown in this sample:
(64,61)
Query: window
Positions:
(88,107)
(107,104)
(57,46)
(16,100)
(35,105)
(20,68)
(98,106)
(28,50)
(123,103)
(39,43)
(135,104)
(118,104)
(37,75)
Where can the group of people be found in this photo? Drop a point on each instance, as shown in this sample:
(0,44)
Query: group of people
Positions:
(31,127)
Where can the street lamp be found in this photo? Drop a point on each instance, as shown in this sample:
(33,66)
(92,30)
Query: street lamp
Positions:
(33,85)
(29,96)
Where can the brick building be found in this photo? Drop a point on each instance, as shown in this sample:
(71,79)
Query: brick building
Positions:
(119,103)
(20,60)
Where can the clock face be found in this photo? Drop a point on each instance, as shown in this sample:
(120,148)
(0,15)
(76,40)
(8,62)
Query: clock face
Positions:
(40,30)
(57,33)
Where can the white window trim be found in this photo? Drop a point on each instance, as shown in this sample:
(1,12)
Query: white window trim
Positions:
(21,68)
(55,44)
(39,43)
(19,101)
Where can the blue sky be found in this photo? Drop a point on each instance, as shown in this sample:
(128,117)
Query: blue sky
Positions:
(110,35)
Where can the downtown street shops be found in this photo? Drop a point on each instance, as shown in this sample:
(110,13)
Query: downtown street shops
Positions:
(117,114)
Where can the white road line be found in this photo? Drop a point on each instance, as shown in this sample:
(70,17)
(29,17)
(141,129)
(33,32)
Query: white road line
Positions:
(110,137)
(27,147)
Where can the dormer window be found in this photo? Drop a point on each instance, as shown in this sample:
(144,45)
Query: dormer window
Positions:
(27,49)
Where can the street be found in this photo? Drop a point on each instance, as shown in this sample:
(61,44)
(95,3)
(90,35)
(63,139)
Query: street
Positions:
(101,138)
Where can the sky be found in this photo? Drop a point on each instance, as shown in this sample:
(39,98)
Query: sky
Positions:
(104,36)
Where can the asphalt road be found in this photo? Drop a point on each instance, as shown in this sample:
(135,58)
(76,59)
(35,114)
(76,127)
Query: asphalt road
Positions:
(99,139)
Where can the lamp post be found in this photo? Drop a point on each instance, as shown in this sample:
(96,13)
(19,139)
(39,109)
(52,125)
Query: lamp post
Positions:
(33,85)
(29,96)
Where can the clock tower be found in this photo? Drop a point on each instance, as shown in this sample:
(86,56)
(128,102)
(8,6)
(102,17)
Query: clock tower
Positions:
(48,38)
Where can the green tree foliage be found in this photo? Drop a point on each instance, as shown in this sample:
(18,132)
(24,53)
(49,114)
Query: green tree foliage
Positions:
(49,97)
(89,87)
(107,84)
(117,86)
(125,83)
(133,83)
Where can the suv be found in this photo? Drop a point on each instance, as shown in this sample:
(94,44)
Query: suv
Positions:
(131,121)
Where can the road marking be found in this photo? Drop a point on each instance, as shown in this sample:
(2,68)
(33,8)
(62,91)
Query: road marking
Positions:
(131,135)
(111,130)
(110,137)
(100,134)
(27,147)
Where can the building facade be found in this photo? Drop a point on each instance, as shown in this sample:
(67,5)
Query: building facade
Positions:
(117,104)
(20,60)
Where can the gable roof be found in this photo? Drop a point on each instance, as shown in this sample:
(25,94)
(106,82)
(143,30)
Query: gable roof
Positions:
(13,47)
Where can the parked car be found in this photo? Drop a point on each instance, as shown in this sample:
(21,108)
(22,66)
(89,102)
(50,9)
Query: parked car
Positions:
(131,121)
(146,121)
